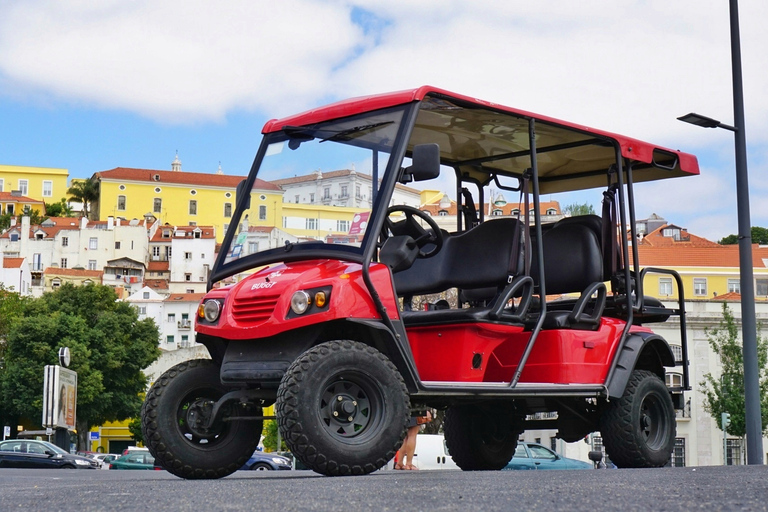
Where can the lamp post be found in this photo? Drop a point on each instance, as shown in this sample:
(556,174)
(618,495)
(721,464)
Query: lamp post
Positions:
(753,417)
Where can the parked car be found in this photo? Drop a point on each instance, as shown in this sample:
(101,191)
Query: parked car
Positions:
(132,449)
(536,456)
(261,461)
(104,459)
(28,453)
(135,460)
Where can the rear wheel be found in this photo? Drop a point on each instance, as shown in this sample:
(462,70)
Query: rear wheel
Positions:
(173,417)
(639,429)
(479,440)
(261,466)
(343,408)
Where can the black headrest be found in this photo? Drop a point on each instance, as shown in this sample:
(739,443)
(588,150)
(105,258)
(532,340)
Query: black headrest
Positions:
(572,259)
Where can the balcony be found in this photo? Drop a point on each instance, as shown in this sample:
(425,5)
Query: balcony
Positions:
(184,324)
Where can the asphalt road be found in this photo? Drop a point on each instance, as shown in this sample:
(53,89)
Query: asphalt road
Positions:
(666,489)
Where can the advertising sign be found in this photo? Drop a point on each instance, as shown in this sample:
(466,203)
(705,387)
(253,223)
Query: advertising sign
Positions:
(59,397)
(359,223)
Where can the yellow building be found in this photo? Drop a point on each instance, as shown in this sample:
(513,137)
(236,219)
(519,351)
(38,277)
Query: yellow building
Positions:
(707,269)
(182,198)
(54,277)
(15,203)
(47,184)
(112,437)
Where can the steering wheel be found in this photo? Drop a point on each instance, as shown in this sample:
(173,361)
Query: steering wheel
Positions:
(409,226)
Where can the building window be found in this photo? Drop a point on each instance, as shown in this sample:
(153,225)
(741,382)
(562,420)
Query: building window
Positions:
(142,310)
(734,286)
(172,318)
(226,228)
(343,191)
(24,187)
(678,453)
(311,224)
(357,191)
(184,341)
(665,286)
(169,339)
(674,380)
(117,245)
(551,211)
(93,243)
(187,277)
(498,213)
(156,251)
(253,247)
(312,197)
(91,264)
(2,182)
(187,255)
(733,452)
(285,222)
(145,295)
(63,262)
(677,352)
(192,207)
(700,286)
(14,237)
(342,226)
(47,188)
(37,261)
(761,287)
(157,206)
(227,209)
(64,241)
(55,283)
(442,213)
(327,193)
(297,198)
(121,203)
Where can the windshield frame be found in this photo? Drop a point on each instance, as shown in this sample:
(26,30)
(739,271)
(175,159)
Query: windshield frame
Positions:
(319,250)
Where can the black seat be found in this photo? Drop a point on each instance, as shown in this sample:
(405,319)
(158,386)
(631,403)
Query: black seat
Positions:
(489,255)
(573,263)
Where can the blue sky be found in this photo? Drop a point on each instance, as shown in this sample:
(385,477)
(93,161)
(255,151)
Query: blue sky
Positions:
(90,86)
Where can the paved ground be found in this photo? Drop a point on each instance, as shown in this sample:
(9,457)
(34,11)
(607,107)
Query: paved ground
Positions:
(667,489)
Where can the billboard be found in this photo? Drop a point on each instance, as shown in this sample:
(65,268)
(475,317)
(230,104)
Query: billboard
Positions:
(59,397)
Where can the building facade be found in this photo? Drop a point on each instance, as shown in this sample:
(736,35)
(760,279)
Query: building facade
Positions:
(43,184)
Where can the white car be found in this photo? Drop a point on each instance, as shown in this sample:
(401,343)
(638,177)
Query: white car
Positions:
(104,459)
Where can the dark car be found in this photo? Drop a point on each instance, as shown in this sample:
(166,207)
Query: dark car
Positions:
(536,456)
(136,460)
(261,461)
(27,453)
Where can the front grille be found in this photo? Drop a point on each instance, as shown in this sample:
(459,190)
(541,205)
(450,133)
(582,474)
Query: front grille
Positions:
(254,310)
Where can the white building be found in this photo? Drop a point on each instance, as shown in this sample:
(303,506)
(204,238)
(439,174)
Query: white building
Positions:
(178,326)
(149,304)
(188,251)
(15,275)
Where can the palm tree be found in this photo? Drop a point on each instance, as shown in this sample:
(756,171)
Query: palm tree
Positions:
(85,192)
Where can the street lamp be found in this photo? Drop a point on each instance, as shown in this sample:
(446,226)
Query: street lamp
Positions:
(753,416)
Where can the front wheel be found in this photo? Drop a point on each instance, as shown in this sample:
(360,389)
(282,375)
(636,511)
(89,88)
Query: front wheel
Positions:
(173,415)
(343,408)
(639,429)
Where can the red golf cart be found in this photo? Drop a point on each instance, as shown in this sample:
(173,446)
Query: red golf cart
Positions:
(332,315)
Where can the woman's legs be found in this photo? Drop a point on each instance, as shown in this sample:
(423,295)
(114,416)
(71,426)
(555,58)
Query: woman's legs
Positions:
(410,447)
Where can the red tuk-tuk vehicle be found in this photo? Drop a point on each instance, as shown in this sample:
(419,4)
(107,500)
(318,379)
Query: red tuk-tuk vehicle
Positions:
(319,316)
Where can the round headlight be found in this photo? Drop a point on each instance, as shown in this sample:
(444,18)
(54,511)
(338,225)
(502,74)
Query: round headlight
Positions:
(300,302)
(212,310)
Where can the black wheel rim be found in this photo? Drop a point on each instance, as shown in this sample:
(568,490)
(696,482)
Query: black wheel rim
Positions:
(653,422)
(351,408)
(192,415)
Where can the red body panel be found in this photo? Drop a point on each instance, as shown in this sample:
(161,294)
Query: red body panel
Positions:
(266,296)
(566,356)
(630,148)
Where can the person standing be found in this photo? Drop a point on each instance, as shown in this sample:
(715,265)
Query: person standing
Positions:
(404,459)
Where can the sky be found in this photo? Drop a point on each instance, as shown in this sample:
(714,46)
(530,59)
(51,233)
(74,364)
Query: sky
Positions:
(90,86)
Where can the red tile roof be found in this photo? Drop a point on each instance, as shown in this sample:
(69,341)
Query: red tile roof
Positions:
(206,232)
(8,197)
(728,297)
(12,262)
(656,238)
(179,178)
(156,284)
(695,256)
(158,266)
(185,297)
(75,272)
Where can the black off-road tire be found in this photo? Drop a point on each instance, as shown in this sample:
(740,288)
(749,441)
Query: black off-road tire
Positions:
(175,443)
(639,429)
(477,440)
(368,395)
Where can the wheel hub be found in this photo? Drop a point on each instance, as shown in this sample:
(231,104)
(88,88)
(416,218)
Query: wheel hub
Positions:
(344,408)
(198,414)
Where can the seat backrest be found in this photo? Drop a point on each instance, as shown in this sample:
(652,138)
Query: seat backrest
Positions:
(483,256)
(594,223)
(572,259)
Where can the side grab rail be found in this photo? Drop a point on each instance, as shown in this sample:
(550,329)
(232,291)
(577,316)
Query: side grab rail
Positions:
(680,312)
(510,291)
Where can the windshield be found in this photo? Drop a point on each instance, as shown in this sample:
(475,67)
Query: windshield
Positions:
(316,186)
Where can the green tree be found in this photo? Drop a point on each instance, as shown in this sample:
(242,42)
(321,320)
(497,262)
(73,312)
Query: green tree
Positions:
(725,393)
(576,209)
(109,348)
(11,310)
(85,192)
(270,437)
(759,236)
(60,209)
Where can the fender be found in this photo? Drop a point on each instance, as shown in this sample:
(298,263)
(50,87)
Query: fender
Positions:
(642,350)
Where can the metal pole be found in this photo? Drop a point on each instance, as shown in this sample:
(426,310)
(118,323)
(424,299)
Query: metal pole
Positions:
(753,417)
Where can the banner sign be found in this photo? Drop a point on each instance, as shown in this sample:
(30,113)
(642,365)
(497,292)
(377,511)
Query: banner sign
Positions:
(59,397)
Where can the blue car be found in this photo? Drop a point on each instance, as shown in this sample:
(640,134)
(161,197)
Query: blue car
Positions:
(261,461)
(536,456)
